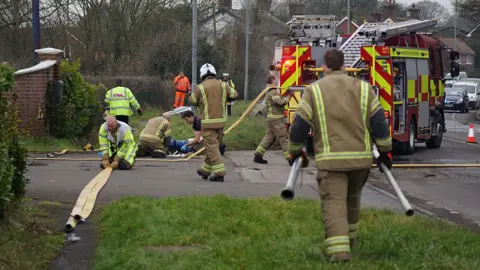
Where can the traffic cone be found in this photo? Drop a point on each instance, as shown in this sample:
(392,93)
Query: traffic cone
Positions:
(471,136)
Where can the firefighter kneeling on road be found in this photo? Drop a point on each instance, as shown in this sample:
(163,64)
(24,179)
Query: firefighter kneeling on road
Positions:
(117,144)
(276,129)
(155,137)
(345,115)
(210,96)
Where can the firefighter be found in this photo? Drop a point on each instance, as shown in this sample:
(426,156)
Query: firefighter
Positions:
(182,86)
(276,129)
(345,116)
(155,137)
(210,96)
(197,142)
(119,99)
(117,144)
(227,79)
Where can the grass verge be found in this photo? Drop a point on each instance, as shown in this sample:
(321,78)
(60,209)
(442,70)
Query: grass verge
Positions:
(226,233)
(245,136)
(28,239)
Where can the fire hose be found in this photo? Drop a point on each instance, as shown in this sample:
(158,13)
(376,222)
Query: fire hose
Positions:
(86,200)
(288,193)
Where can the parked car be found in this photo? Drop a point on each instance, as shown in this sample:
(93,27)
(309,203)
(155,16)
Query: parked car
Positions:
(451,81)
(473,91)
(456,99)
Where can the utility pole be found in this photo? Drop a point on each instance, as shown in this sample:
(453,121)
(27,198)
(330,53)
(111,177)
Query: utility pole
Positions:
(247,30)
(194,46)
(348,15)
(455,27)
(36,27)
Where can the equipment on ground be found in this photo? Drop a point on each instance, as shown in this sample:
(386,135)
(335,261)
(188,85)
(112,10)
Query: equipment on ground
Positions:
(405,204)
(404,66)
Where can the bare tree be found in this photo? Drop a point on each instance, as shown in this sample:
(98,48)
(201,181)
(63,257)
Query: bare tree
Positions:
(431,10)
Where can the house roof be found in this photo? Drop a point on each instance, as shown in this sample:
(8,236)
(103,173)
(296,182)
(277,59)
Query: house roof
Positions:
(267,23)
(462,47)
(344,19)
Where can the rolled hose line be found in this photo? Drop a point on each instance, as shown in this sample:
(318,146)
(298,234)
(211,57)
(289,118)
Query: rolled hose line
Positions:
(86,200)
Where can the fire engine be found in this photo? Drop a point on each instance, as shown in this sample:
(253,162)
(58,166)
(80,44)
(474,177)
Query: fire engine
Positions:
(404,66)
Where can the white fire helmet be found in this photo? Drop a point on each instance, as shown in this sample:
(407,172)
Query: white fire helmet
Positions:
(207,69)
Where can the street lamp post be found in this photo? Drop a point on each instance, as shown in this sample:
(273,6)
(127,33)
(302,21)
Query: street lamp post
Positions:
(36,26)
(247,30)
(194,46)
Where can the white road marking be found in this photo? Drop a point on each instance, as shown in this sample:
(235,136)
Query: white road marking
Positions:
(455,140)
(430,202)
(453,212)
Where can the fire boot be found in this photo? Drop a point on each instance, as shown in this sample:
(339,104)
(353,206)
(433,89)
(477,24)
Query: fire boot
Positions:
(341,257)
(259,159)
(202,174)
(216,178)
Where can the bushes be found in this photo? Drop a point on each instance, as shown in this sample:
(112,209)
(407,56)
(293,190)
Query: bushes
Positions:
(12,155)
(76,112)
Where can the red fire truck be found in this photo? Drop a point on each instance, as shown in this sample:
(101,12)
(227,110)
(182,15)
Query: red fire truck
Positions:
(404,66)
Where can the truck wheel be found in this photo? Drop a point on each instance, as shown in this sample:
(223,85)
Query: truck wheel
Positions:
(409,146)
(435,141)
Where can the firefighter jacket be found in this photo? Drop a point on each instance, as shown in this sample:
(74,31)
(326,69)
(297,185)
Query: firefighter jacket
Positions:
(119,100)
(232,85)
(182,84)
(275,103)
(345,115)
(211,97)
(121,144)
(157,130)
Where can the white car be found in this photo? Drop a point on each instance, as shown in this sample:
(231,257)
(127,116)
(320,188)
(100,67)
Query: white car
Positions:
(473,91)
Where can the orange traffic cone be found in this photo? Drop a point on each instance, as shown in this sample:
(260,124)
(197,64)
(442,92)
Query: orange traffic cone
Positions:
(471,136)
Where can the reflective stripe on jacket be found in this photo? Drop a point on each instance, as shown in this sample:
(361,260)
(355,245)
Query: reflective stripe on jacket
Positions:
(210,96)
(232,85)
(338,108)
(156,130)
(275,103)
(181,84)
(123,144)
(119,100)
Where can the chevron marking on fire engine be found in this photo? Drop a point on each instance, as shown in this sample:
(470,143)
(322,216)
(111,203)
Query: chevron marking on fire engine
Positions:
(293,73)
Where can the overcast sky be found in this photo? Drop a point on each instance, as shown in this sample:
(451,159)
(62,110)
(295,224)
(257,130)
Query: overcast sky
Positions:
(445,3)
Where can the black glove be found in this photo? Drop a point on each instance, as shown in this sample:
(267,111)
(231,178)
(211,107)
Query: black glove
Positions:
(140,112)
(386,159)
(294,157)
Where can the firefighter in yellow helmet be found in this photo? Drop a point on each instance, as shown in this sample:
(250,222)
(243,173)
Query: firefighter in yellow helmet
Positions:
(345,116)
(117,144)
(210,96)
(276,129)
(155,137)
(119,99)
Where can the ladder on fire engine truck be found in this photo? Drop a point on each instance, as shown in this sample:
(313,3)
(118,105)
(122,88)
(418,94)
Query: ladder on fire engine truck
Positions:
(351,47)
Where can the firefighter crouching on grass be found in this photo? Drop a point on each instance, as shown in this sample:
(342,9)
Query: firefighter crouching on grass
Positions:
(155,137)
(210,96)
(119,100)
(345,116)
(276,129)
(117,144)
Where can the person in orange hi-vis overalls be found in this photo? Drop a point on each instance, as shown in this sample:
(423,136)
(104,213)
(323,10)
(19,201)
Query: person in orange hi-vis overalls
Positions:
(182,85)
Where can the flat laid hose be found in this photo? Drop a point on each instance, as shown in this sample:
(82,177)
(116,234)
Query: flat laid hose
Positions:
(86,200)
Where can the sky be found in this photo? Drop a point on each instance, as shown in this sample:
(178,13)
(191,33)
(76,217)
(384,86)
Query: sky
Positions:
(445,3)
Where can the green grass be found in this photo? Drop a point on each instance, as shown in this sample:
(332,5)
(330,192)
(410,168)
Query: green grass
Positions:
(47,145)
(245,136)
(227,233)
(28,240)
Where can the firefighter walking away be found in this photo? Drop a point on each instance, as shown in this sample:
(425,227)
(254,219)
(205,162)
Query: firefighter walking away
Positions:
(276,129)
(182,86)
(346,117)
(118,100)
(211,96)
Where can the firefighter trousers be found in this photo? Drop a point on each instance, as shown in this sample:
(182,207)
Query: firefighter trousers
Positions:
(276,131)
(154,149)
(340,194)
(212,138)
(179,98)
